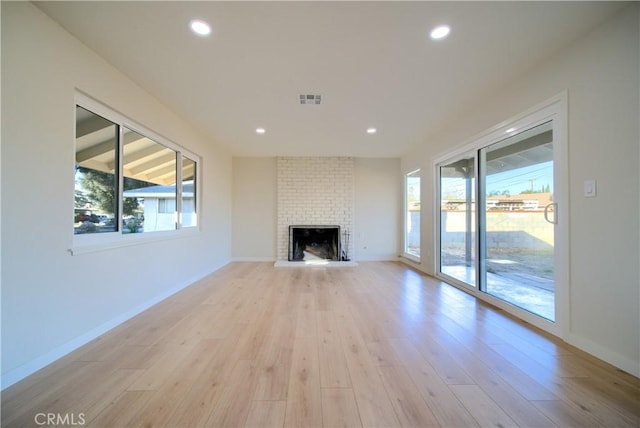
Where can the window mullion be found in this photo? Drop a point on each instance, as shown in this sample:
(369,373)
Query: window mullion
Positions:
(481,218)
(119,170)
(179,190)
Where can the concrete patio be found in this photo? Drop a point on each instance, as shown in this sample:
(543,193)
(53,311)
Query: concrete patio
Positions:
(529,292)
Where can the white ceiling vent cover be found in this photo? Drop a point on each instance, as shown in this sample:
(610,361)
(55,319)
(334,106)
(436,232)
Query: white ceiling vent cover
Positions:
(310,99)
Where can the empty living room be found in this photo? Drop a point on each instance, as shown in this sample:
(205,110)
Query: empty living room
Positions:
(320,214)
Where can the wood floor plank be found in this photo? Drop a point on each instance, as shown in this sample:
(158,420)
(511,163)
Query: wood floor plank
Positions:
(333,366)
(512,402)
(373,402)
(484,410)
(306,316)
(377,344)
(440,359)
(171,393)
(123,408)
(137,357)
(266,414)
(593,399)
(274,361)
(446,407)
(92,403)
(411,409)
(158,406)
(564,414)
(197,404)
(233,405)
(383,354)
(339,408)
(22,400)
(322,292)
(155,376)
(304,405)
(599,404)
(516,378)
(522,359)
(73,400)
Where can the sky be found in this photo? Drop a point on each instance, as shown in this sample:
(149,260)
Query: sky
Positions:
(514,181)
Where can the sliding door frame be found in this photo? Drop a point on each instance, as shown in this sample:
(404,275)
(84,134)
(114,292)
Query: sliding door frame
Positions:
(554,109)
(405,222)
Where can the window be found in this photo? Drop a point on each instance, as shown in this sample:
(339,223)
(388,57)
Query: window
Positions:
(188,216)
(166,206)
(412,215)
(96,181)
(149,182)
(126,180)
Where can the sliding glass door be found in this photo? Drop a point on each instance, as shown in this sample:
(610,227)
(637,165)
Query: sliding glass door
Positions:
(517,219)
(498,217)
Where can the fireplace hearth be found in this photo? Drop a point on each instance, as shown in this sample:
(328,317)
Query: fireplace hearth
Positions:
(314,243)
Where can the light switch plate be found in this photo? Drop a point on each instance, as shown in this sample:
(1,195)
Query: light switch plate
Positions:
(590,188)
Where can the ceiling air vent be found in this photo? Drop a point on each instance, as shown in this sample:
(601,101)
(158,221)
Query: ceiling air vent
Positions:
(310,99)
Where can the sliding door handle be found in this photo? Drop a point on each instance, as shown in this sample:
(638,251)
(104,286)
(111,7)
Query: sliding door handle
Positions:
(548,208)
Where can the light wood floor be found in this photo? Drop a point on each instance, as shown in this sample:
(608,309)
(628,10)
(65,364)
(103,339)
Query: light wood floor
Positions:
(373,345)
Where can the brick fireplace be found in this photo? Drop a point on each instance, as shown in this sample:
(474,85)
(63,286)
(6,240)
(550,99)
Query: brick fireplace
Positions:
(315,191)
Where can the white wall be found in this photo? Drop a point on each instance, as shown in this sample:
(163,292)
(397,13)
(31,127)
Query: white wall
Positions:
(378,208)
(377,227)
(52,301)
(254,209)
(600,72)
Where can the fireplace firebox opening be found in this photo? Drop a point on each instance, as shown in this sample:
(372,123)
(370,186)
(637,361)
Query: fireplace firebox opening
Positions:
(314,243)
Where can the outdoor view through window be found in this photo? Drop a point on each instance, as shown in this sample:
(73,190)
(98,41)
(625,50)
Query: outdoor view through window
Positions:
(148,198)
(96,195)
(412,220)
(506,247)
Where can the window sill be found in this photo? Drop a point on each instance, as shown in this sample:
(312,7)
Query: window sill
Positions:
(94,244)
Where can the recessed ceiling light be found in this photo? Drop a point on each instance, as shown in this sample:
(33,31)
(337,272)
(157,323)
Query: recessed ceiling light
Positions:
(371,130)
(440,32)
(260,131)
(200,27)
(509,130)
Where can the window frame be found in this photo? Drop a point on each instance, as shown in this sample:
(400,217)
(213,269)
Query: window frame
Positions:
(196,196)
(92,242)
(405,240)
(459,155)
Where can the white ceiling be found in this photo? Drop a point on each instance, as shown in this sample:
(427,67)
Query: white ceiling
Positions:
(373,63)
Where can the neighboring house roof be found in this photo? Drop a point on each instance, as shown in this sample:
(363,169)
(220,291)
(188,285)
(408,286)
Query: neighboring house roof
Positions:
(522,201)
(160,191)
(542,198)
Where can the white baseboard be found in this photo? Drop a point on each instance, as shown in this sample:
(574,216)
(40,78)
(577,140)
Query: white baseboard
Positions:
(376,259)
(607,355)
(253,259)
(314,263)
